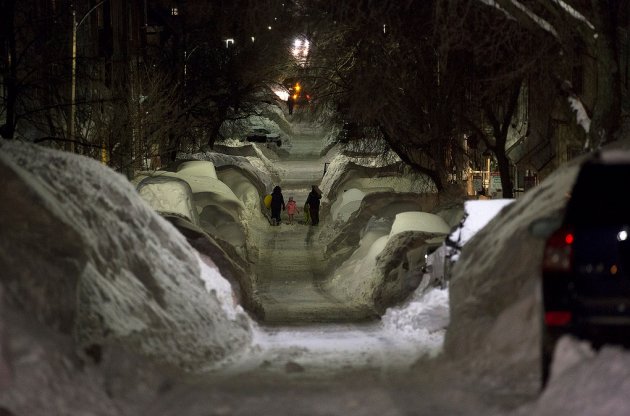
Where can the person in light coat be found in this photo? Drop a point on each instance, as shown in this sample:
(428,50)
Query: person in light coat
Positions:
(292,209)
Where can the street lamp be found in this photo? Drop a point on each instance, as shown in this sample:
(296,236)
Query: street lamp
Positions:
(300,50)
(488,155)
(73,88)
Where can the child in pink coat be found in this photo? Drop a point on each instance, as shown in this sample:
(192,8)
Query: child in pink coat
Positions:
(292,209)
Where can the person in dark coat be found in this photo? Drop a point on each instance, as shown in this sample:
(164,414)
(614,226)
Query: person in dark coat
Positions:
(277,203)
(290,103)
(313,204)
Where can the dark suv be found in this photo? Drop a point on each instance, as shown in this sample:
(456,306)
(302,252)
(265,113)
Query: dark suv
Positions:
(586,262)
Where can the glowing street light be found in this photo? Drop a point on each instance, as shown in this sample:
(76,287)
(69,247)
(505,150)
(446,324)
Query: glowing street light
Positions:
(300,50)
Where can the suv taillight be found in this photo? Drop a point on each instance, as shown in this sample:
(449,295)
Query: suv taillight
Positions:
(557,318)
(558,256)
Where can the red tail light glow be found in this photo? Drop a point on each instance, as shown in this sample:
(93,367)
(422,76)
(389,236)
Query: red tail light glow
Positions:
(557,318)
(558,254)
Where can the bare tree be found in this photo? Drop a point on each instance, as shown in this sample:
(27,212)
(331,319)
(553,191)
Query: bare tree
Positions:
(140,103)
(593,24)
(380,67)
(32,63)
(421,74)
(233,53)
(427,73)
(497,56)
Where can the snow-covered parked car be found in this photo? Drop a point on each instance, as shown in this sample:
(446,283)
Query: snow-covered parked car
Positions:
(388,263)
(477,213)
(169,196)
(214,205)
(262,135)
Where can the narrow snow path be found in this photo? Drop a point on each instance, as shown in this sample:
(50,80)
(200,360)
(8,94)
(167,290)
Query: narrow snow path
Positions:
(312,355)
(290,269)
(291,263)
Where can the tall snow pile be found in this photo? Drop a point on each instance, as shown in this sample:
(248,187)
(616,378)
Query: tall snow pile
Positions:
(493,290)
(387,265)
(82,252)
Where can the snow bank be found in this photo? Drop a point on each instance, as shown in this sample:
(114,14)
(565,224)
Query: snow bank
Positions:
(349,202)
(477,213)
(588,384)
(387,265)
(494,295)
(356,279)
(424,315)
(97,261)
(370,175)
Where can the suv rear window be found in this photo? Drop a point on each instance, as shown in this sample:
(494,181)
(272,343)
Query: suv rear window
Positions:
(598,195)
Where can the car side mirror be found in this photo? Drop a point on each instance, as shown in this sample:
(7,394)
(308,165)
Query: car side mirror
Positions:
(544,227)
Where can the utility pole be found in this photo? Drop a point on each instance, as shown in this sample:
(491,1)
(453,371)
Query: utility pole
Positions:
(73,87)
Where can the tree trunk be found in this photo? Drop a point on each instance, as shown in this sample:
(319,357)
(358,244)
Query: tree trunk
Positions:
(607,107)
(500,130)
(172,148)
(7,130)
(221,116)
(214,134)
(506,181)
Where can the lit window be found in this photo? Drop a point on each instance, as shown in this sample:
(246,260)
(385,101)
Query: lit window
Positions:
(174,11)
